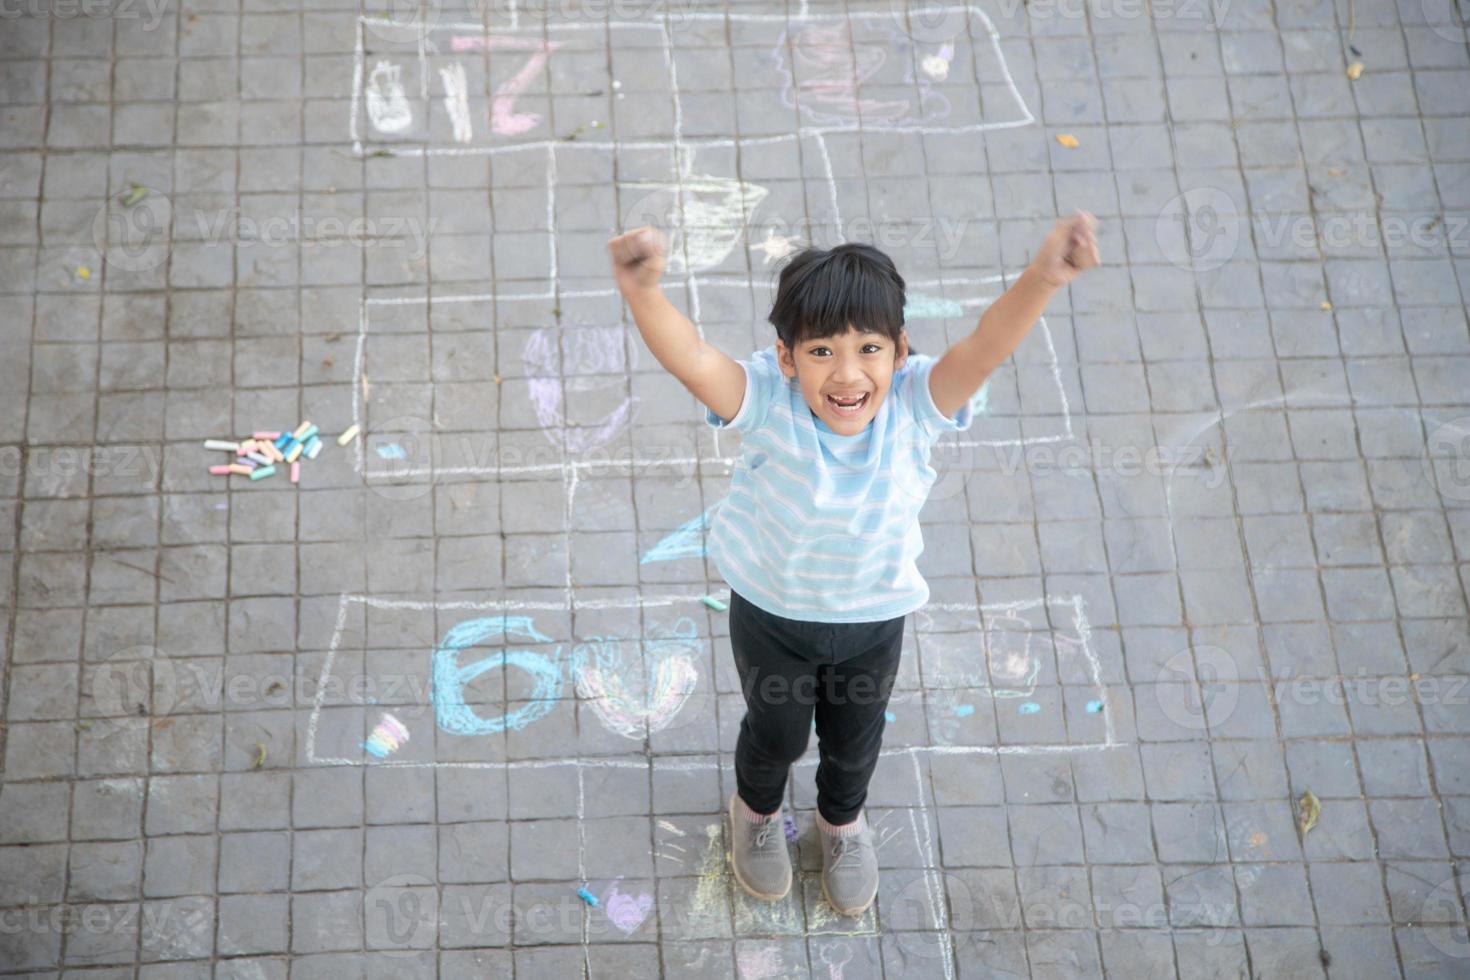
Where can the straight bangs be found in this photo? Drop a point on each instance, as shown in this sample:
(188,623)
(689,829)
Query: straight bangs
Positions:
(826,292)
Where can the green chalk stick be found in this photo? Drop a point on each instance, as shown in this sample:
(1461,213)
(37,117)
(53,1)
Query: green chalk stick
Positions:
(714,603)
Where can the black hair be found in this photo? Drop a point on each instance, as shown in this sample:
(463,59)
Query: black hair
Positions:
(826,292)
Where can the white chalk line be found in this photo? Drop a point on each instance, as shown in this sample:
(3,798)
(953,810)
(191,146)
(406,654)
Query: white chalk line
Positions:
(933,884)
(683,159)
(992,36)
(931,870)
(938,904)
(733,282)
(570,468)
(456,102)
(678,761)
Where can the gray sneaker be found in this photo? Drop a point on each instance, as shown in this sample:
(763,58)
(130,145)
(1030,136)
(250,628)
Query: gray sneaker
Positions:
(758,855)
(849,870)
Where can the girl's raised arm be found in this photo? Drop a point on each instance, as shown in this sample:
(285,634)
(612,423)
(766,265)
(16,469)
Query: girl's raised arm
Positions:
(710,374)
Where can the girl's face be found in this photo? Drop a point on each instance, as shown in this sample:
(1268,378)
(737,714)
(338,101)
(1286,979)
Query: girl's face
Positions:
(844,378)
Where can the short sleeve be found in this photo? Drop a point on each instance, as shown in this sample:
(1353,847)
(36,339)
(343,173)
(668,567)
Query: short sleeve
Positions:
(919,400)
(763,382)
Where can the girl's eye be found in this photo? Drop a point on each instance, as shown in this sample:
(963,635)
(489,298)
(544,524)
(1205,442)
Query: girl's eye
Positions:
(819,351)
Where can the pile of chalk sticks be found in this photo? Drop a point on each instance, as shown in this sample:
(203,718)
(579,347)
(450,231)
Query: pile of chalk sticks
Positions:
(258,456)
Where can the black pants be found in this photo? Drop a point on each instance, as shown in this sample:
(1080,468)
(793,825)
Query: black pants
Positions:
(789,669)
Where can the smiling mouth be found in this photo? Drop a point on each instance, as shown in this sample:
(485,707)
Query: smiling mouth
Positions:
(848,406)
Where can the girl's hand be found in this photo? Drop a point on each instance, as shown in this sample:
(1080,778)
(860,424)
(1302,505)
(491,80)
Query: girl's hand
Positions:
(1068,251)
(638,258)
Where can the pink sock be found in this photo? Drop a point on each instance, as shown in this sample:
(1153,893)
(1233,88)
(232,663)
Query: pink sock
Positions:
(841,830)
(744,811)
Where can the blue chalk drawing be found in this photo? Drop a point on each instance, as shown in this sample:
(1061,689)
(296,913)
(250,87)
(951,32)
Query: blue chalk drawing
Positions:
(450,676)
(1093,707)
(890,717)
(685,541)
(964,710)
(631,696)
(391,450)
(1029,708)
(922,307)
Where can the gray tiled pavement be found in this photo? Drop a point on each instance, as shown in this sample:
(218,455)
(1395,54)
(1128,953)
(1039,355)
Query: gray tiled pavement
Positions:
(1206,547)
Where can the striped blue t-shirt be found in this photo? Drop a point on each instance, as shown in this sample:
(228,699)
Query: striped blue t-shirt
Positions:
(824,527)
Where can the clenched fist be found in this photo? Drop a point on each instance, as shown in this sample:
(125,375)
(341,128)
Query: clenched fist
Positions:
(638,258)
(1068,251)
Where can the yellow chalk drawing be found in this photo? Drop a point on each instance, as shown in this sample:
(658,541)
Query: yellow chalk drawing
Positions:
(705,911)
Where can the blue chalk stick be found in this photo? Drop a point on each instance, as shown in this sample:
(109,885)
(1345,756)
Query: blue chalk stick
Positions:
(714,603)
(587,897)
(1029,708)
(1093,707)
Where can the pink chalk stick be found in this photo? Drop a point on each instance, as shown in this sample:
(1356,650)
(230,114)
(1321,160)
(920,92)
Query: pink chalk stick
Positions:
(222,470)
(272,436)
(295,472)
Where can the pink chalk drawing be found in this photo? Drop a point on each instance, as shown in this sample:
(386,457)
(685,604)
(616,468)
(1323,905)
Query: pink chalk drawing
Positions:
(387,737)
(625,911)
(504,119)
(636,699)
(828,66)
(834,958)
(594,362)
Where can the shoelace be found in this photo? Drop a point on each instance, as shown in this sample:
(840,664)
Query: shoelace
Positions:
(843,848)
(761,837)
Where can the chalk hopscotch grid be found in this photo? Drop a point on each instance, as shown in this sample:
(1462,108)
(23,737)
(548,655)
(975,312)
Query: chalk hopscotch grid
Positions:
(572,469)
(992,36)
(672,760)
(922,831)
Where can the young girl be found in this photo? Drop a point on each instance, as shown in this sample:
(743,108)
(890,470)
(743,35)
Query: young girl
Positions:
(819,535)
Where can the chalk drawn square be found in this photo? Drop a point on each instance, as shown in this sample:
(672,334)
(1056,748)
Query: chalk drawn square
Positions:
(493,671)
(705,902)
(454,87)
(569,413)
